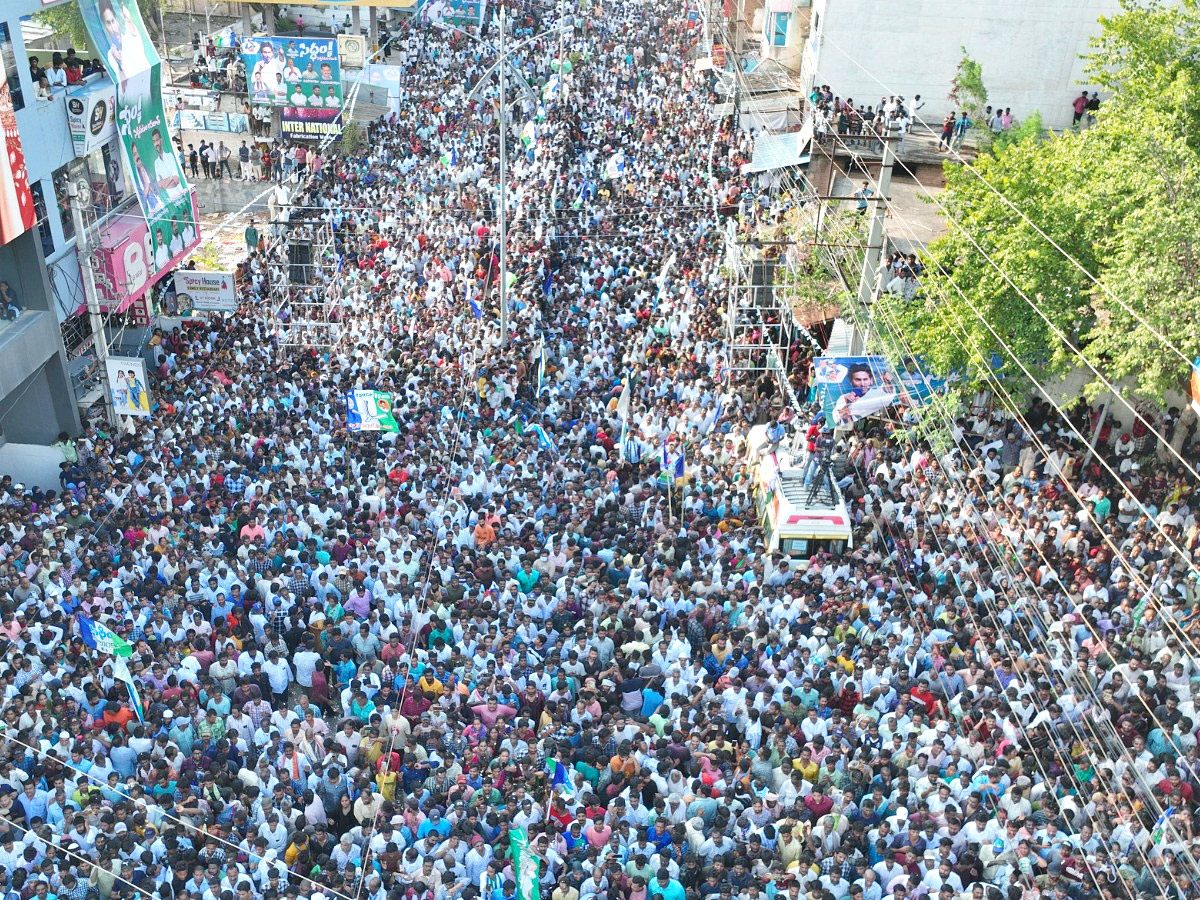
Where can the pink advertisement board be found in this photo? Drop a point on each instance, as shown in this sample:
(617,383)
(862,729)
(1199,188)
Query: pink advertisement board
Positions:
(128,265)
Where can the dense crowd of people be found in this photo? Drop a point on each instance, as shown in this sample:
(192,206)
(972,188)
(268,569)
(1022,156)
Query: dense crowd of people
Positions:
(365,659)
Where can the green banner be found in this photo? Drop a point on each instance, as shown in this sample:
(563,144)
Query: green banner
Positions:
(527,865)
(119,38)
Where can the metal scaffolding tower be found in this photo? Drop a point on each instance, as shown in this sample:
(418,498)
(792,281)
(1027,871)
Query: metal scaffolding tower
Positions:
(759,322)
(305,310)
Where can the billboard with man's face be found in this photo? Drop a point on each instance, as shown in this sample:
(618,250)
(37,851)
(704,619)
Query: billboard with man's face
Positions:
(853,387)
(119,38)
(300,75)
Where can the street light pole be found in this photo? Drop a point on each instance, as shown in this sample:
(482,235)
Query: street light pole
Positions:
(500,66)
(83,250)
(503,189)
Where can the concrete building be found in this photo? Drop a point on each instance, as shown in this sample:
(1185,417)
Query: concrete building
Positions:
(36,399)
(1029,50)
(48,366)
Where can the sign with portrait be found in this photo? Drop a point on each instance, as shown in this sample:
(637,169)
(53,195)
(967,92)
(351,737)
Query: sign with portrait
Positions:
(128,385)
(119,38)
(303,77)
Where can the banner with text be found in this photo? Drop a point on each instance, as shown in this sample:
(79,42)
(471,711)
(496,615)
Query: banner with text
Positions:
(370,411)
(119,38)
(205,291)
(300,75)
(92,116)
(127,381)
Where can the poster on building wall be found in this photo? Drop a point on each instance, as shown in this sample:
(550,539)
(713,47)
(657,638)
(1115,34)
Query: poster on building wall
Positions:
(16,200)
(853,387)
(92,116)
(205,291)
(128,385)
(119,38)
(352,50)
(303,77)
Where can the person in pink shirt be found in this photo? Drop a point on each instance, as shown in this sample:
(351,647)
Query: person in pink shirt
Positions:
(492,711)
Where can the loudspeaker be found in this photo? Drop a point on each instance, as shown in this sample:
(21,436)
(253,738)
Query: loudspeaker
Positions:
(300,264)
(762,279)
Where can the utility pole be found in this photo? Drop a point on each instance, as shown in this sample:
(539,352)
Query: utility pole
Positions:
(503,186)
(83,249)
(868,281)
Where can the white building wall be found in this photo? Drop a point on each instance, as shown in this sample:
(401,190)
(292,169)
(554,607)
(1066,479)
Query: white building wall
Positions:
(1029,50)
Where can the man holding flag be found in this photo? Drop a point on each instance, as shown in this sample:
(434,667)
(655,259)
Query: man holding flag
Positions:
(102,639)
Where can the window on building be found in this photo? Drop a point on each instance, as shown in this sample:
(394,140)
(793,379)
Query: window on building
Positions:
(43,218)
(62,179)
(9,58)
(779,32)
(104,174)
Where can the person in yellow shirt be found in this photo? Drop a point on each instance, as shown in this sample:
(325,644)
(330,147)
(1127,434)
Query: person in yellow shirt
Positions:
(298,845)
(806,766)
(721,649)
(429,683)
(385,781)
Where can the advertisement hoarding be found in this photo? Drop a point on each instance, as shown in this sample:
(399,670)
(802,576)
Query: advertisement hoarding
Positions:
(128,261)
(302,76)
(16,200)
(853,387)
(92,116)
(128,384)
(119,38)
(352,50)
(462,13)
(205,291)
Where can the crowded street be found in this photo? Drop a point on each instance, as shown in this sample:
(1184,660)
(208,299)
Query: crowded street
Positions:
(538,619)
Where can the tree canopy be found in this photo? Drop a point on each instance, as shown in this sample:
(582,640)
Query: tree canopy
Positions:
(1121,198)
(68,21)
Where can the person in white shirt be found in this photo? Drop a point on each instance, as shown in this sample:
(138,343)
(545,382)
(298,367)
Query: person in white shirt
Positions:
(298,98)
(56,75)
(166,167)
(162,252)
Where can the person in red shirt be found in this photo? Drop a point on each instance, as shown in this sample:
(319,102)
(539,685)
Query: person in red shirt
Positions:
(921,694)
(818,803)
(116,714)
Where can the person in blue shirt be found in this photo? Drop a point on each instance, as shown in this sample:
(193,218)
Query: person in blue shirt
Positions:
(652,699)
(665,886)
(434,824)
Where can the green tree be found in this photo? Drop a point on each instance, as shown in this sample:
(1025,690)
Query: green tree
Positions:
(1122,199)
(354,139)
(967,90)
(68,21)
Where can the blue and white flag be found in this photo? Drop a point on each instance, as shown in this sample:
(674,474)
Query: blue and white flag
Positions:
(1160,826)
(475,310)
(100,637)
(121,670)
(560,777)
(544,441)
(673,468)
